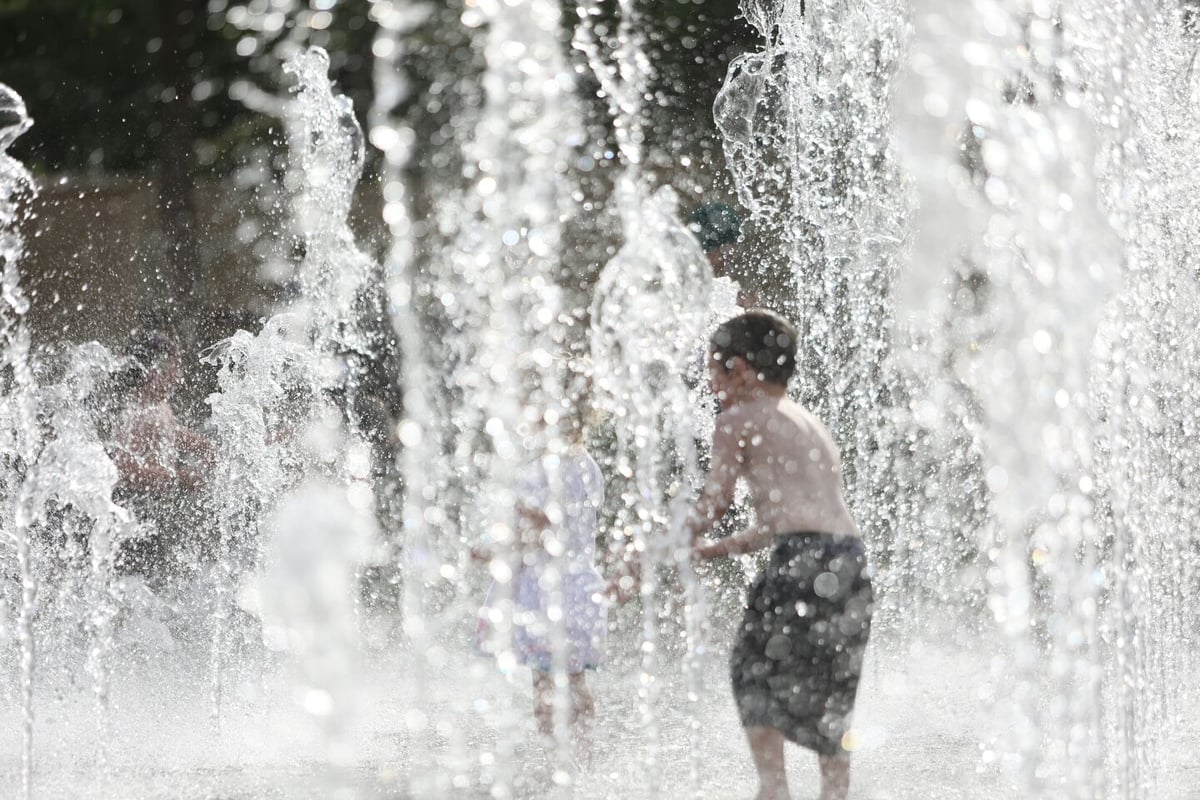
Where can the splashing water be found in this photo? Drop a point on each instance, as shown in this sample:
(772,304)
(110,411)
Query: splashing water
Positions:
(326,147)
(1017,126)
(806,127)
(648,326)
(73,488)
(58,480)
(292,479)
(495,281)
(258,417)
(1001,339)
(1029,191)
(1032,165)
(20,439)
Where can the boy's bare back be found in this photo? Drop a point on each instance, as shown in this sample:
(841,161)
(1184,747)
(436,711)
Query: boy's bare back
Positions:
(790,464)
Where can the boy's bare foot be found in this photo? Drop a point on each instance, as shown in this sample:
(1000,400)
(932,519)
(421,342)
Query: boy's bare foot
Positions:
(773,794)
(835,777)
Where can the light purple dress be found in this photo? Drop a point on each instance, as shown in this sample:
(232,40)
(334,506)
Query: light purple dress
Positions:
(574,480)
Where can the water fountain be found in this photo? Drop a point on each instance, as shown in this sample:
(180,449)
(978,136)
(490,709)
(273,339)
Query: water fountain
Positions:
(1053,159)
(988,212)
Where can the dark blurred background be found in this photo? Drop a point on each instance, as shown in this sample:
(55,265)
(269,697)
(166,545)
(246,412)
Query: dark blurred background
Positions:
(160,164)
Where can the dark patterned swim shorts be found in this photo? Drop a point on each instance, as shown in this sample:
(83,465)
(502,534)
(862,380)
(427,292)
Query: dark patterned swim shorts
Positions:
(799,651)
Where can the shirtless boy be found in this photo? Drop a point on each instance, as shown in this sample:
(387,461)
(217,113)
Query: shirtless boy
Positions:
(798,656)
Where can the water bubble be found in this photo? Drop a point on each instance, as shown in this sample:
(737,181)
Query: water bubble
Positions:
(319,703)
(826,584)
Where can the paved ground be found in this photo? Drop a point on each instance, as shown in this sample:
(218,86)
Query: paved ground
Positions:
(928,721)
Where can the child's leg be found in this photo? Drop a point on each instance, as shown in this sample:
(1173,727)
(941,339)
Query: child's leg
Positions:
(543,702)
(583,711)
(766,747)
(835,777)
(583,704)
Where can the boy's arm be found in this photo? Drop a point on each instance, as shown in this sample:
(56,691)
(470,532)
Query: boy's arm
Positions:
(747,541)
(719,485)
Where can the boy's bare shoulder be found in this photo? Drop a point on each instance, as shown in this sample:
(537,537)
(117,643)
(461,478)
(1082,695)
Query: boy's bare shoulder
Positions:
(794,410)
(779,424)
(768,419)
(770,412)
(739,419)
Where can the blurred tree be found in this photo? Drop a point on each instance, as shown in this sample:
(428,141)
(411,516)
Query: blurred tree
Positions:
(178,89)
(147,87)
(125,100)
(145,72)
(179,27)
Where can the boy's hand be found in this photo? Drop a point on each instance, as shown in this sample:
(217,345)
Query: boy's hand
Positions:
(626,582)
(621,589)
(704,549)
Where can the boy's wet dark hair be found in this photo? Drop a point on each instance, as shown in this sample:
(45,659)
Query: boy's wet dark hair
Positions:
(765,340)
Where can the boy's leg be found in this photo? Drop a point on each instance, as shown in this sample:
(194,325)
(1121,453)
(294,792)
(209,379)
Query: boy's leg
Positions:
(835,777)
(543,702)
(766,747)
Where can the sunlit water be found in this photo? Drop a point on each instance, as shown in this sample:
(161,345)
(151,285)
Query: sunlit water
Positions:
(989,215)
